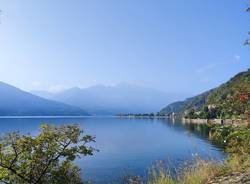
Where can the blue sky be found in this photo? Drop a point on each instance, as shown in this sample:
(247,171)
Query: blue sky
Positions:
(171,45)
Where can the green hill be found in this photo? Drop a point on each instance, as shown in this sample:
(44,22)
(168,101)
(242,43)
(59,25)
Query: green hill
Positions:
(230,100)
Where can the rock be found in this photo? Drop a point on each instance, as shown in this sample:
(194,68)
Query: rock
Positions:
(233,178)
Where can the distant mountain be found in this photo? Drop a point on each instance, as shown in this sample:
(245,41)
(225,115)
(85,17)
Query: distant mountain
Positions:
(43,94)
(111,100)
(15,102)
(230,100)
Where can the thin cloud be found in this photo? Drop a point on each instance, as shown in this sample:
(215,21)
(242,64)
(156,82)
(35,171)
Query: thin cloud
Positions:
(37,85)
(205,80)
(236,58)
(56,88)
(207,67)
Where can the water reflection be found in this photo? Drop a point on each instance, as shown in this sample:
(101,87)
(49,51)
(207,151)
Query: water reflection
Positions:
(130,146)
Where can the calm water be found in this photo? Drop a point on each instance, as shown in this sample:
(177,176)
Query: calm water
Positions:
(128,146)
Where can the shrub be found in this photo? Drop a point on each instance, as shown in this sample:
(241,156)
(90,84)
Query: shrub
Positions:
(46,158)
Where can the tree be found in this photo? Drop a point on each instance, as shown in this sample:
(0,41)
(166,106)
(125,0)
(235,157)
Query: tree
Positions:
(247,42)
(45,158)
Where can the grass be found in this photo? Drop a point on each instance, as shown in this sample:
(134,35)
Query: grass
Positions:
(201,172)
(198,173)
(235,163)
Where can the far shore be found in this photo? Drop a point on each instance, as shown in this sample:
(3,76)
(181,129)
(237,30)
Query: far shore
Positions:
(193,121)
(184,120)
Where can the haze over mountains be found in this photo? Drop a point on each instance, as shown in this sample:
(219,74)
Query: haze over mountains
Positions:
(107,100)
(112,100)
(95,100)
(15,102)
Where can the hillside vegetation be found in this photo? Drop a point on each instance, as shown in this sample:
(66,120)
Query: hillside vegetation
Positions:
(230,100)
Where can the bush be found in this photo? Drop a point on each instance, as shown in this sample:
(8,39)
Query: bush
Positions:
(235,139)
(46,158)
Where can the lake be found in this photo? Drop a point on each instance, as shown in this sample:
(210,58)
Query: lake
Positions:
(128,146)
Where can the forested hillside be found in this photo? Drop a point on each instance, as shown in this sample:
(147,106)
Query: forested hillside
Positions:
(230,100)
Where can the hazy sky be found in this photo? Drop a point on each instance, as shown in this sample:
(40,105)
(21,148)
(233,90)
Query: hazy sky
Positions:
(172,45)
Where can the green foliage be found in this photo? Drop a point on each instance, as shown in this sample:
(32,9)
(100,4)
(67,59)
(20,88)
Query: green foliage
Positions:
(220,133)
(192,114)
(232,99)
(67,172)
(235,139)
(46,158)
(239,141)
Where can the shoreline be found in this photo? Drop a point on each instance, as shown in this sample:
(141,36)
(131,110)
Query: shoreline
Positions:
(216,121)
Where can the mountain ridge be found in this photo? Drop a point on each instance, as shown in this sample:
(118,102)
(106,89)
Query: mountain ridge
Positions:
(16,102)
(115,99)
